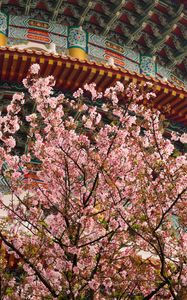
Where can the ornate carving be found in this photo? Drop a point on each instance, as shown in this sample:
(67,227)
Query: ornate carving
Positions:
(177,42)
(147,65)
(148,40)
(78,38)
(183,30)
(162,18)
(156,30)
(3,23)
(125,28)
(72,13)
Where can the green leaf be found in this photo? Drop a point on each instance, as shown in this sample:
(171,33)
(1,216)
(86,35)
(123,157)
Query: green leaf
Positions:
(9,291)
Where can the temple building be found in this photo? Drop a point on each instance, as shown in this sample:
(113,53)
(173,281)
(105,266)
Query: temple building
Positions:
(98,41)
(101,41)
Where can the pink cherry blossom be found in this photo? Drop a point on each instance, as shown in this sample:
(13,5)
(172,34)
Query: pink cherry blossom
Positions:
(35,69)
(97,204)
(183,138)
(93,284)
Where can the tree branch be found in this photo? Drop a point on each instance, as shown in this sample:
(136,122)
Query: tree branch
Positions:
(161,285)
(169,208)
(27,261)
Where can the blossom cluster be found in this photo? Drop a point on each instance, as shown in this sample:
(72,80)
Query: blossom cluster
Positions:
(109,188)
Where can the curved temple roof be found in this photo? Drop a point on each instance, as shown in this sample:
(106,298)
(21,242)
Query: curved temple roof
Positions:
(157,27)
(71,73)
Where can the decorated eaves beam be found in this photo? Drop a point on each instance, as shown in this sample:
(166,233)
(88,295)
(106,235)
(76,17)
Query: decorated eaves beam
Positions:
(89,5)
(183,29)
(177,42)
(185,66)
(166,5)
(56,10)
(166,34)
(28,6)
(117,13)
(170,7)
(178,58)
(169,53)
(136,33)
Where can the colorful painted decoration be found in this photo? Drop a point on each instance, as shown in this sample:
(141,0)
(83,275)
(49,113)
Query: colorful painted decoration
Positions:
(118,58)
(99,48)
(38,36)
(38,24)
(127,27)
(147,65)
(115,47)
(77,38)
(3,23)
(25,28)
(38,31)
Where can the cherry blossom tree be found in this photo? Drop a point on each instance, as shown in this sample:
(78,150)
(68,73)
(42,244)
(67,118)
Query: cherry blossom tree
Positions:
(105,216)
